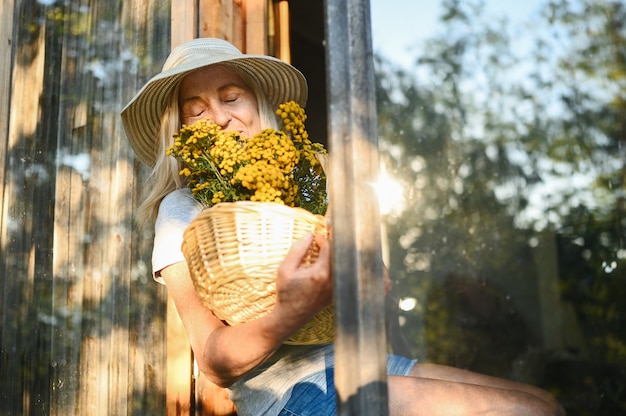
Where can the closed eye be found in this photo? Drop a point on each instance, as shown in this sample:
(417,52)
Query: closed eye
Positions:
(231,93)
(193,109)
(230,98)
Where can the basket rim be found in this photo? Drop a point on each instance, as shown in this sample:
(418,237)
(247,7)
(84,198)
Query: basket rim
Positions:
(255,205)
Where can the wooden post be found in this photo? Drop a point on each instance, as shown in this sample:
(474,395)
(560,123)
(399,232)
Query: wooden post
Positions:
(360,346)
(282,47)
(256,27)
(184,21)
(6,37)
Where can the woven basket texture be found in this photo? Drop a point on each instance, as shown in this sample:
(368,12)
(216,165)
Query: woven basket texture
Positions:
(233,250)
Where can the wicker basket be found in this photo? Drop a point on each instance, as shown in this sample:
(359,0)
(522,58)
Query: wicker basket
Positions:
(233,250)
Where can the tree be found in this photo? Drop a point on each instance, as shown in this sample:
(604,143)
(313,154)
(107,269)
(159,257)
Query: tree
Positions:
(507,140)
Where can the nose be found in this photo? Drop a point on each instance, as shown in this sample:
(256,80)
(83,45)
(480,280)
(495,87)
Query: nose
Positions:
(221,116)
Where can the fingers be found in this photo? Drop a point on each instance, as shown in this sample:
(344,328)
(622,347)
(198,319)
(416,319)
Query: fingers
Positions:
(297,252)
(303,289)
(298,263)
(321,241)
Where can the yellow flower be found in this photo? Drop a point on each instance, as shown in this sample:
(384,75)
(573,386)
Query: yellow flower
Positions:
(273,166)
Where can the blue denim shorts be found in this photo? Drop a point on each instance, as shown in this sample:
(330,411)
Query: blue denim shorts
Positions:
(316,395)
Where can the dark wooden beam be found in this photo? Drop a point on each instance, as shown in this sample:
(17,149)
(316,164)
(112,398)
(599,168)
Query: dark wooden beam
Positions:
(360,346)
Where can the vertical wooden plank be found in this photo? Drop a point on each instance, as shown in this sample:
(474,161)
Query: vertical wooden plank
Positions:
(6,46)
(105,296)
(71,221)
(105,260)
(238,24)
(115,162)
(67,292)
(209,24)
(256,27)
(224,20)
(184,24)
(282,33)
(215,19)
(24,234)
(360,345)
(145,23)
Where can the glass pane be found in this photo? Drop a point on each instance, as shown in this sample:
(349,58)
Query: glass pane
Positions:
(82,324)
(502,127)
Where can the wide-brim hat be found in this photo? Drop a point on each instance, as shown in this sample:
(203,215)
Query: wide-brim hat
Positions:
(141,117)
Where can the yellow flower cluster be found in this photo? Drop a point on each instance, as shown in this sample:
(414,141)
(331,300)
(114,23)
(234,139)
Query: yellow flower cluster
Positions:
(273,166)
(294,117)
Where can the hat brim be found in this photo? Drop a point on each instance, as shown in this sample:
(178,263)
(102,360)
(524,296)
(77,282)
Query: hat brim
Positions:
(141,117)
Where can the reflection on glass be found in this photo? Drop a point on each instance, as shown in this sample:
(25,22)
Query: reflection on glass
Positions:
(509,137)
(81,330)
(506,244)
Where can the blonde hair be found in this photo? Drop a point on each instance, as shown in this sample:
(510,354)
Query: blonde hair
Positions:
(164,176)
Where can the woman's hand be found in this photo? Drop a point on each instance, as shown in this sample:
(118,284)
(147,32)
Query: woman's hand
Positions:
(303,290)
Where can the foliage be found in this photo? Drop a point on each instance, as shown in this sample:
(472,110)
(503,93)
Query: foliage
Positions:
(515,156)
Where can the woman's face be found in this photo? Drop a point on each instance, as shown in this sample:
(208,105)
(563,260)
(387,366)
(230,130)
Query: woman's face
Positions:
(218,93)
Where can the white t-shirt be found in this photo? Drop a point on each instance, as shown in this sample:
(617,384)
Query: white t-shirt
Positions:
(176,212)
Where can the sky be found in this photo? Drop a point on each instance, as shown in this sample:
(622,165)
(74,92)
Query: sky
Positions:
(400,26)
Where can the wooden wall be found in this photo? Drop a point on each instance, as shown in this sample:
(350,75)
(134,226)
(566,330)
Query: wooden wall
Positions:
(83,328)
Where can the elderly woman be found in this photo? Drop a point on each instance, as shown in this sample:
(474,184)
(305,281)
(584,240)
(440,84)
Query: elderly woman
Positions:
(211,79)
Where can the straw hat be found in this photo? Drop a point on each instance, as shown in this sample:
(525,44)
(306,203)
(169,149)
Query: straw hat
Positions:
(141,117)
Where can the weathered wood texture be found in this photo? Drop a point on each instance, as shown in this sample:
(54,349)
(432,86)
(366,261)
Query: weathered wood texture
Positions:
(82,324)
(6,38)
(360,344)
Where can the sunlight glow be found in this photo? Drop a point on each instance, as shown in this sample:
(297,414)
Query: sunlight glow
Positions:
(390,193)
(407,304)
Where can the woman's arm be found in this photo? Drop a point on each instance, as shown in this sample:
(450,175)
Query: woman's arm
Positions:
(225,353)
